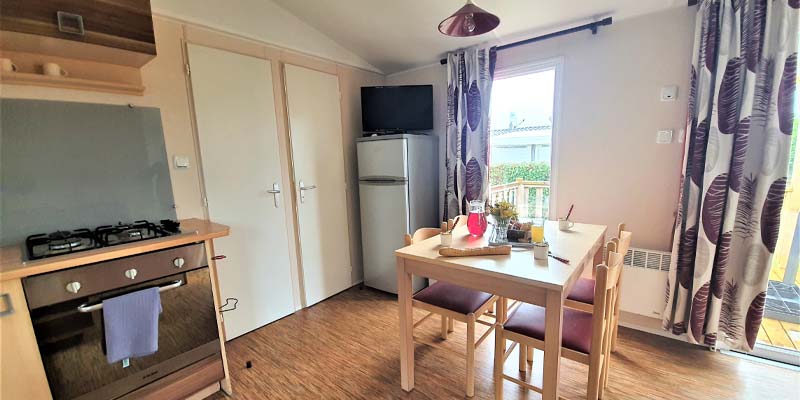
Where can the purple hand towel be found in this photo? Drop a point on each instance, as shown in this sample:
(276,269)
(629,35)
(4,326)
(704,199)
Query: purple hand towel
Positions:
(131,324)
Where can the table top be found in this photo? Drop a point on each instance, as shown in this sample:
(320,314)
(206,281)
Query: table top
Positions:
(577,245)
(13,264)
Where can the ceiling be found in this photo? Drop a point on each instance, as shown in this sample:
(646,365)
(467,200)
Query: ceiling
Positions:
(397,35)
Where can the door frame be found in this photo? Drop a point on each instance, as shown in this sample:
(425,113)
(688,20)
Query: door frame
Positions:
(527,68)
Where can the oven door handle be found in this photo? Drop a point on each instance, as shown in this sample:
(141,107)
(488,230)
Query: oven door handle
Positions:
(86,307)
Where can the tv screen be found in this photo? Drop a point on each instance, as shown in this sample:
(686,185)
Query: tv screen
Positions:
(392,108)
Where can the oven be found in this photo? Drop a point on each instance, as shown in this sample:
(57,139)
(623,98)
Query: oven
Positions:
(67,316)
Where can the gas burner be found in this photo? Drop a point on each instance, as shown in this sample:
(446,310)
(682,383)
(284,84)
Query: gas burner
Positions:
(110,235)
(60,242)
(63,242)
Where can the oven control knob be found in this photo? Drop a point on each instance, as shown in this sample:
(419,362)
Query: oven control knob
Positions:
(73,287)
(131,273)
(178,262)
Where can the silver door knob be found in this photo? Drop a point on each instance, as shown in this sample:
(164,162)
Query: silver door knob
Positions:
(131,273)
(73,287)
(178,262)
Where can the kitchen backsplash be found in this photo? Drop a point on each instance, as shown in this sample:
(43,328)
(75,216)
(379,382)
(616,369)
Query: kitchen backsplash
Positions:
(70,165)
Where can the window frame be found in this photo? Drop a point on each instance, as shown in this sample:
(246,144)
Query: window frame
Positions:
(532,67)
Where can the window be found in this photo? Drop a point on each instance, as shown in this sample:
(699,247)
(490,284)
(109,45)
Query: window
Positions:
(522,121)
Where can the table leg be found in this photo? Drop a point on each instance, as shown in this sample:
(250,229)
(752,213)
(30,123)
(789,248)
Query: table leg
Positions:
(598,257)
(552,344)
(597,260)
(404,293)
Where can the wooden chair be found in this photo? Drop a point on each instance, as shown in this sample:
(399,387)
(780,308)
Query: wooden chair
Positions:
(581,297)
(586,336)
(455,303)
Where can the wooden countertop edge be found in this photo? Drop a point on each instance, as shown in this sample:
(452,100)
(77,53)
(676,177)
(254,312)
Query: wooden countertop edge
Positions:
(205,230)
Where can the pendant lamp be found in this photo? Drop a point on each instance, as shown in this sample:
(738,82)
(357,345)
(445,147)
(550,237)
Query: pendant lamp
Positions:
(469,20)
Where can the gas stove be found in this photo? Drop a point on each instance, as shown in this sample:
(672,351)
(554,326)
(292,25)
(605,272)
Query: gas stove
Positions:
(64,242)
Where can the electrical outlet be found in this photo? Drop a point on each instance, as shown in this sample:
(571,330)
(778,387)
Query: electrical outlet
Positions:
(181,162)
(669,93)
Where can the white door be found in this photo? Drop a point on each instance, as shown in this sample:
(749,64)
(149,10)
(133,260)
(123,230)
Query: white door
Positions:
(315,126)
(237,129)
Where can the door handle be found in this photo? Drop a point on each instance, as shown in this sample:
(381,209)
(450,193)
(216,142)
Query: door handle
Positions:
(275,191)
(303,189)
(89,307)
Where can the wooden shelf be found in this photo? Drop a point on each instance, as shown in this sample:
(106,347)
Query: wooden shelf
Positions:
(22,78)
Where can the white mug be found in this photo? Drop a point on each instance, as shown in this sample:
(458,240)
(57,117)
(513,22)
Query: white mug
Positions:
(565,225)
(7,65)
(53,69)
(541,250)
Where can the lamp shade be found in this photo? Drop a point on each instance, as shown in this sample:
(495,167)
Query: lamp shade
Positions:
(469,20)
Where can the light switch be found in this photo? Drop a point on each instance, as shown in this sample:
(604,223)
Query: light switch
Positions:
(181,162)
(664,136)
(669,93)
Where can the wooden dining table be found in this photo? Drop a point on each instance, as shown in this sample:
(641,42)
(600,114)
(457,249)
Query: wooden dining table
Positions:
(516,276)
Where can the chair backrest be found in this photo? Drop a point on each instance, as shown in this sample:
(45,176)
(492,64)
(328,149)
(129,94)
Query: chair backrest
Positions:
(461,221)
(606,279)
(621,243)
(421,234)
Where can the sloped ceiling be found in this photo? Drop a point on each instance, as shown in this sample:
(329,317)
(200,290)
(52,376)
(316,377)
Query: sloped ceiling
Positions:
(396,35)
(261,20)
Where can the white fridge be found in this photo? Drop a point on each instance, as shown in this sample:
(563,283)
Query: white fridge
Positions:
(398,182)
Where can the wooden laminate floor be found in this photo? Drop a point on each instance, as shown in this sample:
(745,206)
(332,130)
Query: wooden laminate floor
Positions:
(347,348)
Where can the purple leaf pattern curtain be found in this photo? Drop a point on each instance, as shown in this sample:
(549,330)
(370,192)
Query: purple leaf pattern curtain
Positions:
(469,88)
(739,126)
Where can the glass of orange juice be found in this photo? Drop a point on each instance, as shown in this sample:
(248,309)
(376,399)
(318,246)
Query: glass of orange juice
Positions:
(537,230)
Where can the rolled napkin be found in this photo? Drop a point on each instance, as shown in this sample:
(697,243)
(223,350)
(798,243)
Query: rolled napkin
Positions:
(476,251)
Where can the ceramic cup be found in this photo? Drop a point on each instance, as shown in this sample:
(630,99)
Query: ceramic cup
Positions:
(53,69)
(447,239)
(7,65)
(541,250)
(564,225)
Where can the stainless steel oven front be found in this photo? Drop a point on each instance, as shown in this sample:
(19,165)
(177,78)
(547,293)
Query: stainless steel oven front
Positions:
(67,316)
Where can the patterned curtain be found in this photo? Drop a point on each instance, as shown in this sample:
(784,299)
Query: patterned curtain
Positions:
(469,87)
(740,121)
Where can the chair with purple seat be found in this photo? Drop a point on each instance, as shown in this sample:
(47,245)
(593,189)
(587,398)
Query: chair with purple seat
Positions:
(455,303)
(586,337)
(581,297)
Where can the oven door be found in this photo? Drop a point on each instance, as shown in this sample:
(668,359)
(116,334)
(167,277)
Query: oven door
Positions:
(72,345)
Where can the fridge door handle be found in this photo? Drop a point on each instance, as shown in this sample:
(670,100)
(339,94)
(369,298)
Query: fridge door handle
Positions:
(275,191)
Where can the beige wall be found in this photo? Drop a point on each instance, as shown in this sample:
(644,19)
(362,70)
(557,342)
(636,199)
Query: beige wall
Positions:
(607,161)
(350,83)
(437,76)
(166,88)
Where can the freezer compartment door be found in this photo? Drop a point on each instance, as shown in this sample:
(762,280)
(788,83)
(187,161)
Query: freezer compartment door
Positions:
(384,223)
(382,160)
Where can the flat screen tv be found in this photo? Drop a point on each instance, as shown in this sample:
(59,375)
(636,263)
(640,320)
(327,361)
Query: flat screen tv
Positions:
(388,109)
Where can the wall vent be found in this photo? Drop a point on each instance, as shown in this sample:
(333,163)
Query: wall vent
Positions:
(650,259)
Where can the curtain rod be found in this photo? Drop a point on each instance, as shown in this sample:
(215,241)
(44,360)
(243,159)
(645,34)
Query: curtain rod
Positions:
(592,26)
